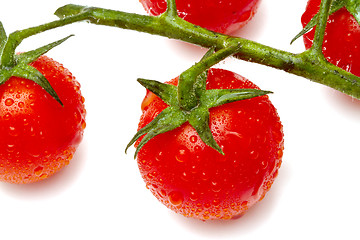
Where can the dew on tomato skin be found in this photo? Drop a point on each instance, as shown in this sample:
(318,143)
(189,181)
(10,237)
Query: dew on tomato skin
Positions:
(181,155)
(7,116)
(264,164)
(21,104)
(215,187)
(159,156)
(13,131)
(38,170)
(9,102)
(185,177)
(193,196)
(10,148)
(204,176)
(176,198)
(43,176)
(193,169)
(193,139)
(254,155)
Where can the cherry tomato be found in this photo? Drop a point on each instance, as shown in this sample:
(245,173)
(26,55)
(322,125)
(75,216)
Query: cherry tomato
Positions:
(195,180)
(38,135)
(342,37)
(220,16)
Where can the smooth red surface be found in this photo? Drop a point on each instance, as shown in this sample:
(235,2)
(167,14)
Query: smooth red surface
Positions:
(224,16)
(342,37)
(197,181)
(38,135)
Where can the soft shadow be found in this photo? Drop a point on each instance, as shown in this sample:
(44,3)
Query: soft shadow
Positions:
(348,105)
(250,221)
(54,185)
(187,50)
(255,26)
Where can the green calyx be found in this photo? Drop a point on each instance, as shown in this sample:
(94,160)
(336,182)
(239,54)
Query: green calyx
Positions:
(17,65)
(353,6)
(12,64)
(190,101)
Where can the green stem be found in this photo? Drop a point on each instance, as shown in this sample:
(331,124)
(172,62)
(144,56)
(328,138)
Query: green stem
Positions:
(171,8)
(320,27)
(304,64)
(187,88)
(15,38)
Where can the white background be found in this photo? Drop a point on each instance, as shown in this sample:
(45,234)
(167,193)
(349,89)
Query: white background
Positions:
(101,195)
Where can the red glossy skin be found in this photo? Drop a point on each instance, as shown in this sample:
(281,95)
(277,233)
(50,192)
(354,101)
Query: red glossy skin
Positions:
(220,16)
(195,180)
(38,135)
(342,37)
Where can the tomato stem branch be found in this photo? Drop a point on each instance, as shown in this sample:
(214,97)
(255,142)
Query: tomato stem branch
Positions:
(13,41)
(320,27)
(303,64)
(171,10)
(187,93)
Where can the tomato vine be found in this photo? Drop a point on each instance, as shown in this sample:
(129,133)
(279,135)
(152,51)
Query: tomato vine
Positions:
(304,64)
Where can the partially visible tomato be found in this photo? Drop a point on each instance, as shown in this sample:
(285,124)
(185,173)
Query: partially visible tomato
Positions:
(342,37)
(38,135)
(195,180)
(224,16)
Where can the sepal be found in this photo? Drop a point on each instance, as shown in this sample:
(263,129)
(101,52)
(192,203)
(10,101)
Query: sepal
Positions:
(199,120)
(335,6)
(12,64)
(164,91)
(167,120)
(217,97)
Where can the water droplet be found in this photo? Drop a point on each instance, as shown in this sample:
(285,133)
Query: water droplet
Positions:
(10,147)
(9,102)
(83,125)
(193,139)
(193,196)
(244,205)
(159,156)
(26,122)
(185,176)
(176,198)
(13,132)
(180,156)
(204,176)
(43,176)
(264,164)
(21,104)
(216,202)
(254,155)
(38,170)
(215,187)
(7,116)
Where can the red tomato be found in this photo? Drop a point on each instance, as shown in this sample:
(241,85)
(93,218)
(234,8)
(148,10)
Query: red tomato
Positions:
(38,135)
(195,180)
(342,37)
(220,16)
